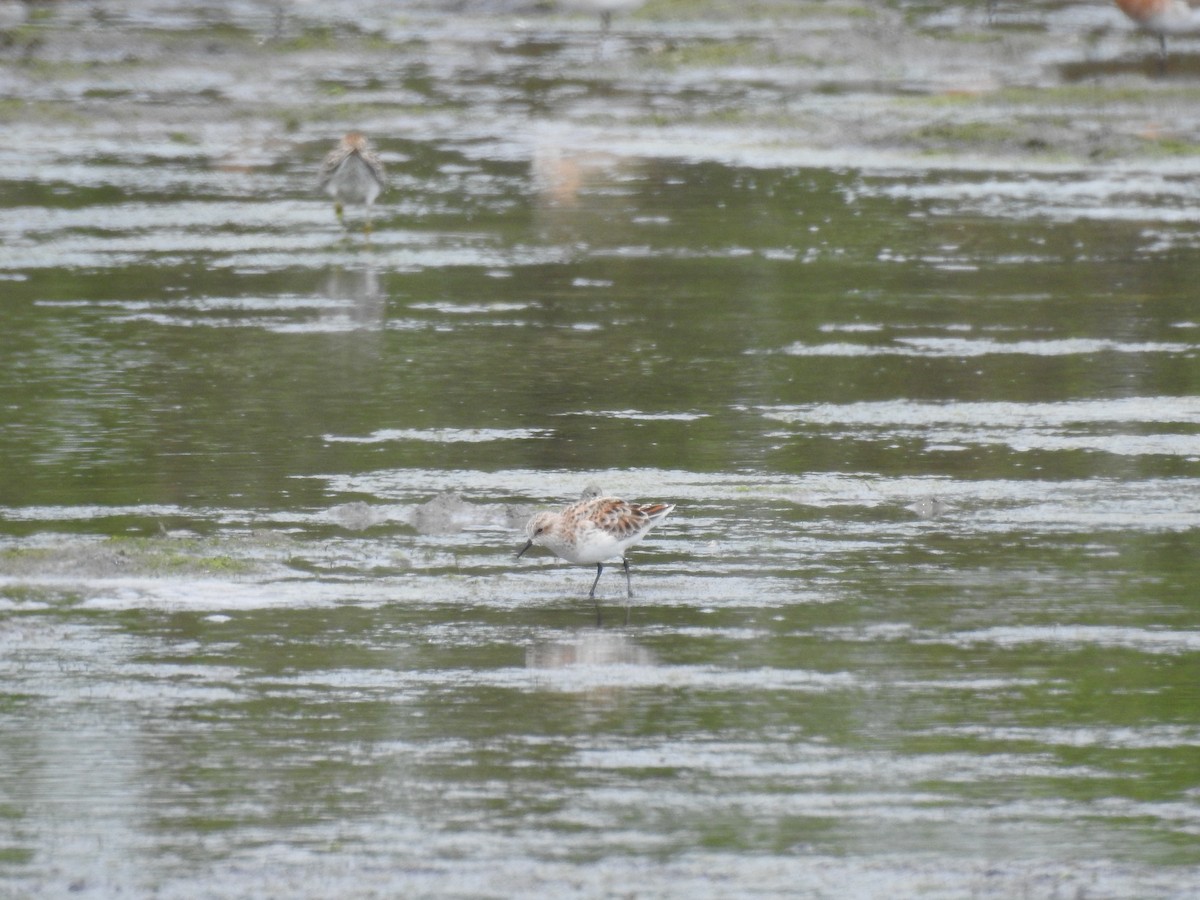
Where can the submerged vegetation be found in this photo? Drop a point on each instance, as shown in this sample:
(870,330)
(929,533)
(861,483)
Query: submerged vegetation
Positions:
(162,556)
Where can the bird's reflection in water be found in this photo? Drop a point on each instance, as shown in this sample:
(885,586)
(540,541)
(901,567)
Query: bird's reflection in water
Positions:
(359,301)
(929,507)
(566,178)
(589,648)
(581,197)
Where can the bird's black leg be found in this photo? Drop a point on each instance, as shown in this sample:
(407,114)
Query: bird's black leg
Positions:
(1162,54)
(628,588)
(592,593)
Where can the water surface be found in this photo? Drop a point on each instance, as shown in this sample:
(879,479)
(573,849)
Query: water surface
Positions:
(923,624)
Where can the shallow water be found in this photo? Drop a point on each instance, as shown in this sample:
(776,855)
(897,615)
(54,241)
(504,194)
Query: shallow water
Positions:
(924,623)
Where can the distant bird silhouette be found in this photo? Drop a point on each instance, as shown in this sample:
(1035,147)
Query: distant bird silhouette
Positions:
(352,173)
(605,8)
(1162,17)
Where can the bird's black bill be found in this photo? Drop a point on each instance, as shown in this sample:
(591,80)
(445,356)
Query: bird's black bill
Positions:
(528,544)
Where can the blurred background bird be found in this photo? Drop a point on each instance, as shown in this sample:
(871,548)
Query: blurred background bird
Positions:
(352,173)
(605,8)
(1163,17)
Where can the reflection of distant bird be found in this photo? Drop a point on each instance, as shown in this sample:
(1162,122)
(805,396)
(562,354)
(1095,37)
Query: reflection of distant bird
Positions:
(929,507)
(561,175)
(589,648)
(1162,17)
(352,173)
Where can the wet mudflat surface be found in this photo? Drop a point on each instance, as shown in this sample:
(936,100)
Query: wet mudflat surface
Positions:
(898,305)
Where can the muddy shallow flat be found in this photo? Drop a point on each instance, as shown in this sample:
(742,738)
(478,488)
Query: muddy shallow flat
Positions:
(895,302)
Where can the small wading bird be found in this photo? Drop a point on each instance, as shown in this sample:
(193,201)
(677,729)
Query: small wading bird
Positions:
(593,530)
(352,173)
(1163,17)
